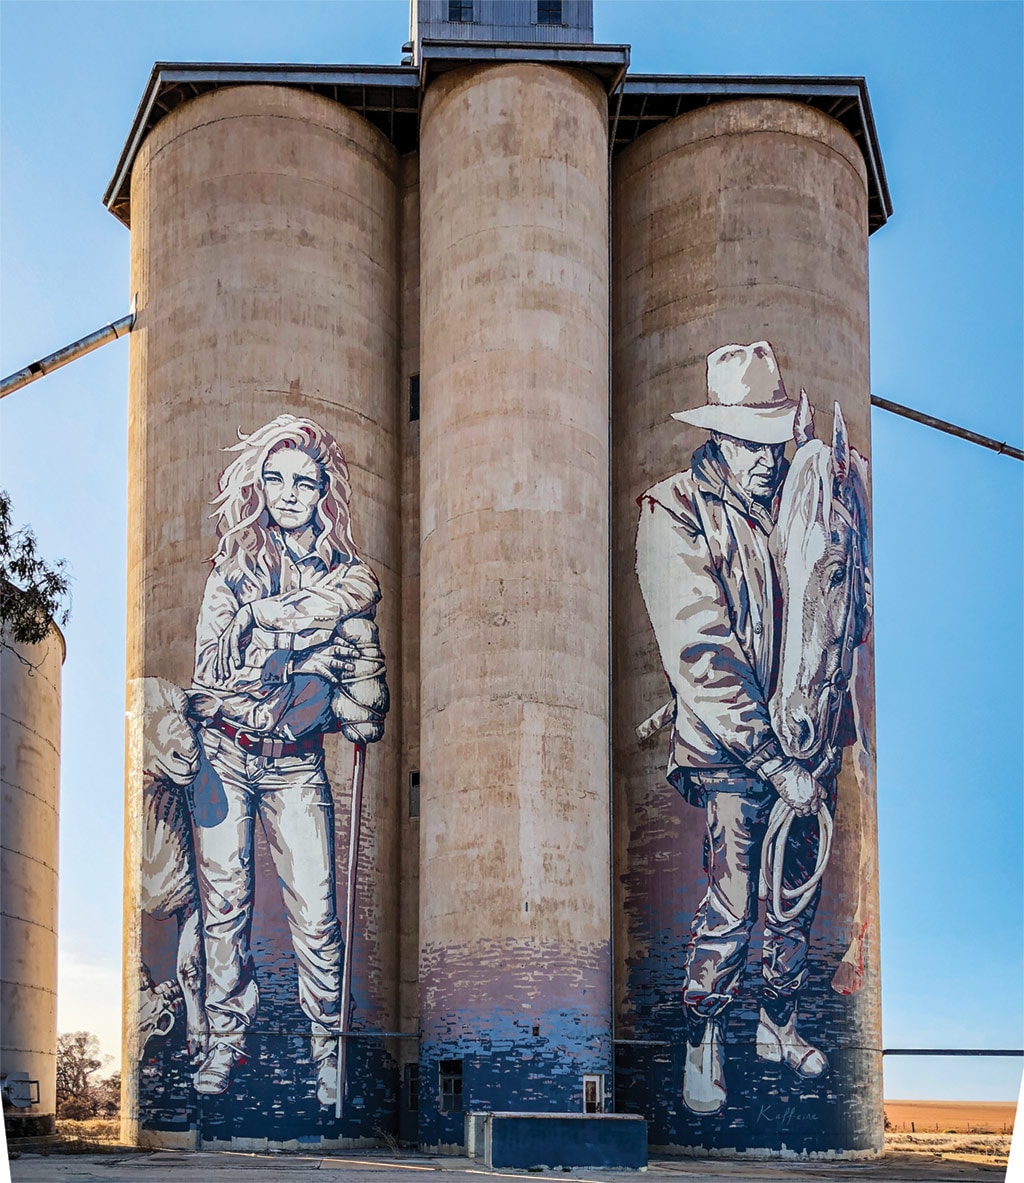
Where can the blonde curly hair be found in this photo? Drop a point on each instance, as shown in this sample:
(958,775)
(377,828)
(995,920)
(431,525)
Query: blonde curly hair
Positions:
(247,551)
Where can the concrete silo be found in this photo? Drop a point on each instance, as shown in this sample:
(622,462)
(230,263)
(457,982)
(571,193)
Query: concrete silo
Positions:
(30,694)
(741,222)
(515,912)
(414,260)
(264,258)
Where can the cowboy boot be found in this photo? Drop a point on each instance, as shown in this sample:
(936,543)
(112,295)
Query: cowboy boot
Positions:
(213,1076)
(325,1056)
(779,1042)
(703,1073)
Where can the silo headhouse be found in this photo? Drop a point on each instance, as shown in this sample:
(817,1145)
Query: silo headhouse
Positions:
(501,734)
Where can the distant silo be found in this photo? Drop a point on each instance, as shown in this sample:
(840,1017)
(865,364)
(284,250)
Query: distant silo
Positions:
(738,223)
(264,255)
(30,695)
(514,899)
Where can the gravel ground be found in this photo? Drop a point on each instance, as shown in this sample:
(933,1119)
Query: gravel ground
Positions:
(227,1167)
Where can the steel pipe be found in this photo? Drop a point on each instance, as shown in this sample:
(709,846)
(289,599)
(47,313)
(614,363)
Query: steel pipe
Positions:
(72,352)
(973,437)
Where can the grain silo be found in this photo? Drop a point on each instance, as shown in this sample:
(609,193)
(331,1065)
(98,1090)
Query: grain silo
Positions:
(30,692)
(410,341)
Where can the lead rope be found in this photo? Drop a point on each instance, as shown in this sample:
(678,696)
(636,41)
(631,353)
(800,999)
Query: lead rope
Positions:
(773,853)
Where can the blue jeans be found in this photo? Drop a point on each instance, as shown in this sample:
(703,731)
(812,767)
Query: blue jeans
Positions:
(291,798)
(738,806)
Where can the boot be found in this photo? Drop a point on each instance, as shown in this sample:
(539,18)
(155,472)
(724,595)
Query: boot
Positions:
(325,1056)
(703,1073)
(214,1074)
(779,1043)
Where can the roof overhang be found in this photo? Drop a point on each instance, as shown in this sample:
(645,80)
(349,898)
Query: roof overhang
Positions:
(650,99)
(608,62)
(389,97)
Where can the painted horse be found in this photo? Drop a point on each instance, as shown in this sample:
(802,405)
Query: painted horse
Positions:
(822,551)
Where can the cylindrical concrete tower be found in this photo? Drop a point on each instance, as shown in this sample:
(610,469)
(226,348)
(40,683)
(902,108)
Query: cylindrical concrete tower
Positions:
(514,887)
(264,259)
(30,678)
(742,223)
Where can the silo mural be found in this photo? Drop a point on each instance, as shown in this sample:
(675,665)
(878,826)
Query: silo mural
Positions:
(263,580)
(286,652)
(755,573)
(684,926)
(744,734)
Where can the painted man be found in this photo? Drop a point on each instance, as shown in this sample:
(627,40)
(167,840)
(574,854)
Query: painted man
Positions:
(706,572)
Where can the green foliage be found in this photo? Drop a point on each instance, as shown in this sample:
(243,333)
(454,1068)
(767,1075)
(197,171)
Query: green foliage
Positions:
(33,593)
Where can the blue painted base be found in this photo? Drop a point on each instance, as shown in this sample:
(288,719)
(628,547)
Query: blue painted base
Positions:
(527,1140)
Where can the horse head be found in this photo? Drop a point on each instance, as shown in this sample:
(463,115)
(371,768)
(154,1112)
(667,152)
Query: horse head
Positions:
(822,557)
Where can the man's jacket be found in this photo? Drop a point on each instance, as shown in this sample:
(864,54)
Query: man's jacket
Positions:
(703,561)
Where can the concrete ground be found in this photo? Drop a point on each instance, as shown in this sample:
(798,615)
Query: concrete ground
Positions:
(228,1167)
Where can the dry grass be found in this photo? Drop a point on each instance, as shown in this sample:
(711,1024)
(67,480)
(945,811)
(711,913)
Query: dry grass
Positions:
(98,1135)
(960,1131)
(990,1149)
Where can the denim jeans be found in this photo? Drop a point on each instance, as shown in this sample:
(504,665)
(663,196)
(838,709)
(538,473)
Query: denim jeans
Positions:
(738,806)
(291,798)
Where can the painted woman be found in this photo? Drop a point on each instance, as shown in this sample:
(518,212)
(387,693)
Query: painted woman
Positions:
(284,634)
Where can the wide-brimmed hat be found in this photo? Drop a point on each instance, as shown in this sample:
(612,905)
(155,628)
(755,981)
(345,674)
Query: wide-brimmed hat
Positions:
(746,396)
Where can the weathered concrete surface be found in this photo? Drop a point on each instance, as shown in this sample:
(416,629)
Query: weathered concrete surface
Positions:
(264,256)
(30,697)
(734,223)
(409,436)
(514,908)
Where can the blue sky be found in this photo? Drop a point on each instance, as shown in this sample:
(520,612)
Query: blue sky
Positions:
(946,289)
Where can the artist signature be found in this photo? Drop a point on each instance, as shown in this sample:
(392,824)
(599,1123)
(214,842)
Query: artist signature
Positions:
(783,1117)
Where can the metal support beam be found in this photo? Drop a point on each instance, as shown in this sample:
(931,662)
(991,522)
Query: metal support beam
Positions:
(973,437)
(72,352)
(951,1051)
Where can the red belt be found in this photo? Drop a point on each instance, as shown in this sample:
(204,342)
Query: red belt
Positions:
(257,746)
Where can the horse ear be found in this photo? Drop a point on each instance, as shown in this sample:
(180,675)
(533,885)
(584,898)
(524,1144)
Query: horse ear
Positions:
(840,445)
(803,423)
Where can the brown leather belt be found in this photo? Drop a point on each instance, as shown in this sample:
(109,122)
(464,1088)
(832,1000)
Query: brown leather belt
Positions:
(258,746)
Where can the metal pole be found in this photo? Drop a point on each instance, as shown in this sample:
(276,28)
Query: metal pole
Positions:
(973,437)
(952,1051)
(358,767)
(72,352)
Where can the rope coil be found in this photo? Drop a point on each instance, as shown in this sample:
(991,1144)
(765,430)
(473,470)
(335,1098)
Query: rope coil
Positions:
(773,859)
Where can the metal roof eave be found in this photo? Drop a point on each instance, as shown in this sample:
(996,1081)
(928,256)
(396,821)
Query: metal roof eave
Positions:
(395,91)
(609,62)
(166,75)
(823,92)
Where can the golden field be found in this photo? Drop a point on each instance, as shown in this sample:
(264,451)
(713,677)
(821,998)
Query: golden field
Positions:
(962,1131)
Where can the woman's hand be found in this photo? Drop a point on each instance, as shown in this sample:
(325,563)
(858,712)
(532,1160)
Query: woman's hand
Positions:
(229,646)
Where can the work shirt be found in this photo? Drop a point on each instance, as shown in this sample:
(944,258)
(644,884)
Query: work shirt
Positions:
(265,696)
(705,570)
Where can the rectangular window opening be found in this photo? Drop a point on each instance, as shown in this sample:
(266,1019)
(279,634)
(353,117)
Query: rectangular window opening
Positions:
(549,12)
(414,397)
(460,10)
(593,1094)
(450,1077)
(414,794)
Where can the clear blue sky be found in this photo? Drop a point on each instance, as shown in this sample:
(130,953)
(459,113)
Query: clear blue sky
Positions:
(946,291)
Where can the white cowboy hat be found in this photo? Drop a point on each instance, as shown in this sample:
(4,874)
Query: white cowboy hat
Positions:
(746,397)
